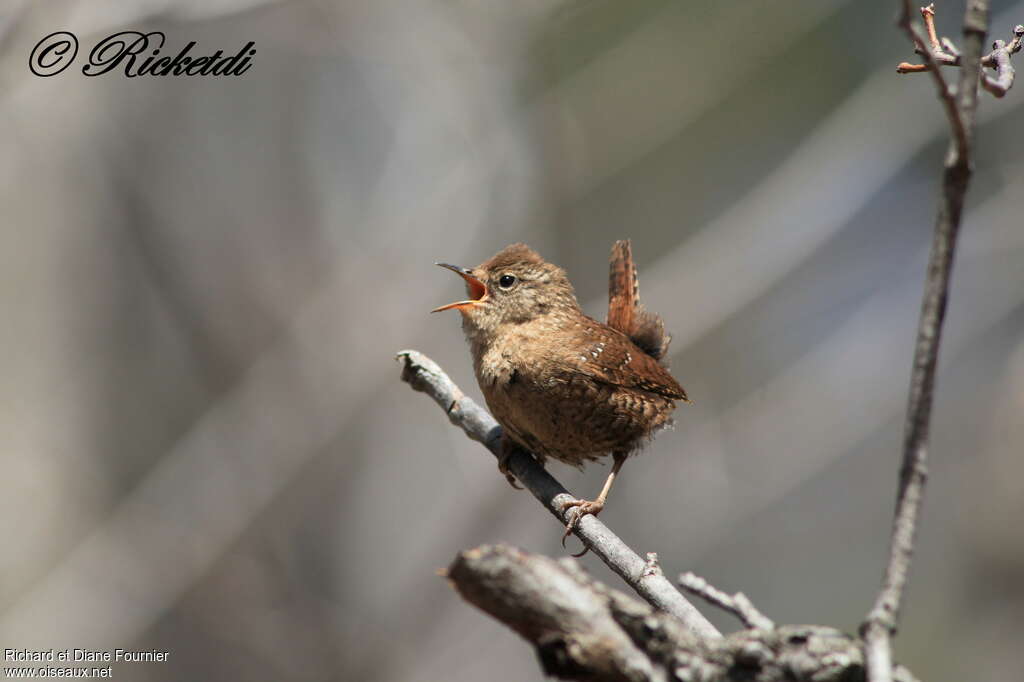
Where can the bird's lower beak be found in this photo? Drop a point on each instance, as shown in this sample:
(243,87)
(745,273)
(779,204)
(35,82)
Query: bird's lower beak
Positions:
(477,289)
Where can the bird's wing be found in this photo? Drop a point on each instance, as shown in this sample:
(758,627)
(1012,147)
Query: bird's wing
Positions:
(611,358)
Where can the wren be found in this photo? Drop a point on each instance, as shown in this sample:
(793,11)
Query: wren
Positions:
(561,384)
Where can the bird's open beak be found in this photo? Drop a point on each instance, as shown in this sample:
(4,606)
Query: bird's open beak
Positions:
(477,289)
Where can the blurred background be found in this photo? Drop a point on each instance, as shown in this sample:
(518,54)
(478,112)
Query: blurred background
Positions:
(206,448)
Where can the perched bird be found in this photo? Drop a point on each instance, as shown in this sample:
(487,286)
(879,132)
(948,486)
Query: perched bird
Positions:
(561,384)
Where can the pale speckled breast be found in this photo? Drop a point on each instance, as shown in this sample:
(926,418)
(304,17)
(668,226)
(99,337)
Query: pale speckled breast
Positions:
(566,415)
(574,431)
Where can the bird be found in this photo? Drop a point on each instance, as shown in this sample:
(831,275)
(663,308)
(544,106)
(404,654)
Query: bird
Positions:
(561,384)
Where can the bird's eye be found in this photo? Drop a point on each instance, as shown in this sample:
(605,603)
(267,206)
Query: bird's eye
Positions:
(507,281)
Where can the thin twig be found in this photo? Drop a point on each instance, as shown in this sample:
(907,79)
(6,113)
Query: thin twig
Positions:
(737,604)
(951,48)
(928,13)
(943,51)
(423,374)
(880,623)
(932,65)
(1000,61)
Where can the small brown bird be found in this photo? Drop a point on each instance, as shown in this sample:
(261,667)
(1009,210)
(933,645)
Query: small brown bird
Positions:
(560,383)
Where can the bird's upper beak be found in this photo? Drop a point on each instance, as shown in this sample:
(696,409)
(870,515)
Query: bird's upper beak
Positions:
(477,289)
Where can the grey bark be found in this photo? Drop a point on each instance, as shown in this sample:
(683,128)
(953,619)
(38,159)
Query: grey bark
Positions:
(583,630)
(961,106)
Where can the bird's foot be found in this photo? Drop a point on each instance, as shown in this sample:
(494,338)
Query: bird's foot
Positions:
(504,469)
(582,508)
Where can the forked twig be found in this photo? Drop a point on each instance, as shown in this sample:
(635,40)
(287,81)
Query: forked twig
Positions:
(880,623)
(737,604)
(942,51)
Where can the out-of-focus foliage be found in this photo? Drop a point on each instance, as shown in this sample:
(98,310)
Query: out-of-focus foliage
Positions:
(205,446)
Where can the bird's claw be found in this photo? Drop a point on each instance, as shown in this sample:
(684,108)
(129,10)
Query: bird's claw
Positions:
(582,508)
(509,476)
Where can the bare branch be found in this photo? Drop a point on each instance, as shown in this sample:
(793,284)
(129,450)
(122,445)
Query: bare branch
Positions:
(943,51)
(423,374)
(907,67)
(932,65)
(951,49)
(1000,60)
(928,13)
(737,604)
(583,630)
(880,623)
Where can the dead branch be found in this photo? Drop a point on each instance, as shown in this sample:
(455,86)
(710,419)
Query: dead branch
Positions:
(880,623)
(943,52)
(583,630)
(423,374)
(931,65)
(1000,61)
(737,604)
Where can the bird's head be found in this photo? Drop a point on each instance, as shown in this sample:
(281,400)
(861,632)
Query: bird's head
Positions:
(516,285)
